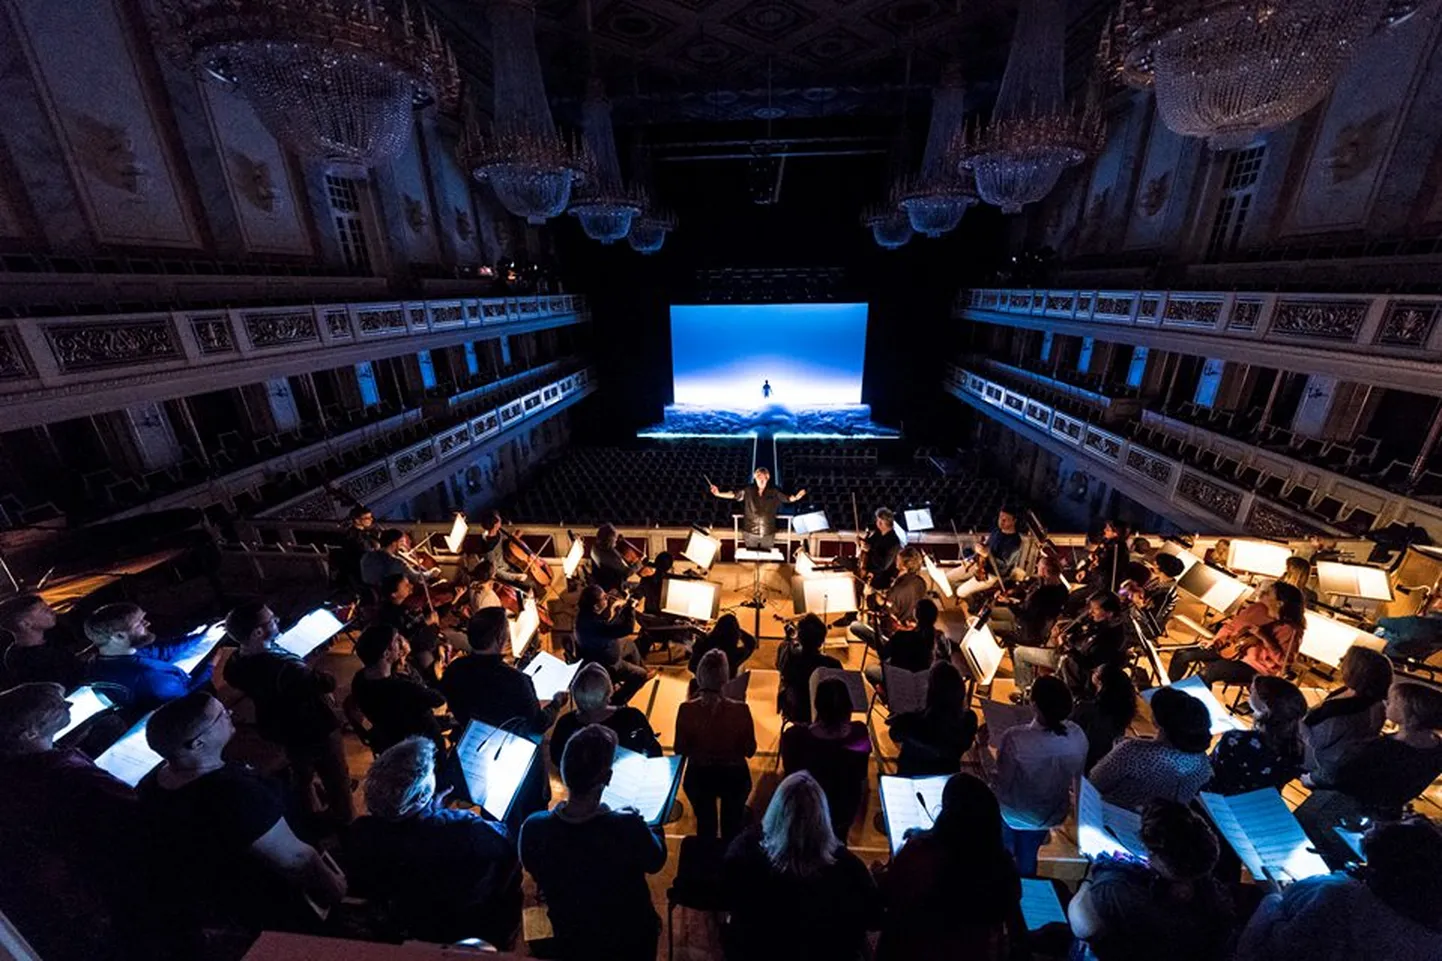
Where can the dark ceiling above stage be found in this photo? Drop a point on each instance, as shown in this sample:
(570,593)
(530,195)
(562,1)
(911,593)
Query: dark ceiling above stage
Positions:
(678,61)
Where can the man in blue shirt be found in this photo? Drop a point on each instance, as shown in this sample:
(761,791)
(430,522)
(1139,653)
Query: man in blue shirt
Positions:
(1417,637)
(128,658)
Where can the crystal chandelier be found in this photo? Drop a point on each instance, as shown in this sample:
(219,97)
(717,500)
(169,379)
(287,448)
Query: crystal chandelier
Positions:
(336,79)
(935,199)
(606,206)
(1032,136)
(649,230)
(890,226)
(1229,70)
(528,164)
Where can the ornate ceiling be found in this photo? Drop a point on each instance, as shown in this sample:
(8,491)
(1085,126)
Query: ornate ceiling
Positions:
(676,60)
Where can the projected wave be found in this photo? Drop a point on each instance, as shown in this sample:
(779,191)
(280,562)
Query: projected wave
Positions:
(812,355)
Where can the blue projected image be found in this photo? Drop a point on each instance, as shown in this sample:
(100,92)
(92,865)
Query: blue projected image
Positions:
(810,354)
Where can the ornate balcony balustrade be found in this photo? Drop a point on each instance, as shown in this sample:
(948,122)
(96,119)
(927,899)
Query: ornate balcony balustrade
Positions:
(1388,339)
(1284,507)
(54,368)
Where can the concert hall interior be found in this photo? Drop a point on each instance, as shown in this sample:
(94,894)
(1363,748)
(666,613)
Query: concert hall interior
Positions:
(744,480)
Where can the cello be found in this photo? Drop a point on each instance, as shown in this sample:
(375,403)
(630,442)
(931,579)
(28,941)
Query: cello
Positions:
(520,556)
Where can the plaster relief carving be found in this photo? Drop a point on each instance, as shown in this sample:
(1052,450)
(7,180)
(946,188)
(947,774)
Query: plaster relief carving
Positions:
(1154,194)
(415,213)
(107,151)
(1358,146)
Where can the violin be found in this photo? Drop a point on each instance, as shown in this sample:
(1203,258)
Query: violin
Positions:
(632,555)
(442,593)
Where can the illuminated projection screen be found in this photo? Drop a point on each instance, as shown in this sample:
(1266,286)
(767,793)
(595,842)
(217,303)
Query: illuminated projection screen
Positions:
(812,354)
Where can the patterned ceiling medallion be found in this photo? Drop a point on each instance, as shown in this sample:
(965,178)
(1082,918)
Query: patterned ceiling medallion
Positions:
(770,20)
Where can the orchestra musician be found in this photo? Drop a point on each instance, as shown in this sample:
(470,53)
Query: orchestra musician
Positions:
(1107,559)
(901,599)
(359,538)
(604,629)
(879,550)
(1261,638)
(420,625)
(484,588)
(386,561)
(490,545)
(1077,647)
(609,568)
(759,504)
(1025,614)
(992,561)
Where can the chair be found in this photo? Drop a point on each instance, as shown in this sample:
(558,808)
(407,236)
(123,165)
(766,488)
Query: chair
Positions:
(697,884)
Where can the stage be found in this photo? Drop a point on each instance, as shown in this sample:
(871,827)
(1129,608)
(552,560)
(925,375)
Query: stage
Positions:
(824,422)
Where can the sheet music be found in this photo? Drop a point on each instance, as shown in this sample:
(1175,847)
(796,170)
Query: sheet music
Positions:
(1266,836)
(1222,720)
(494,764)
(983,653)
(1104,828)
(1001,717)
(523,626)
(855,686)
(310,632)
(1039,904)
(206,643)
(905,690)
(937,575)
(84,703)
(130,758)
(751,554)
(550,675)
(647,784)
(456,537)
(901,809)
(1212,587)
(688,597)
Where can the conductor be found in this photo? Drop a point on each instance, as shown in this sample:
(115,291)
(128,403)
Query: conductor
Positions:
(760,502)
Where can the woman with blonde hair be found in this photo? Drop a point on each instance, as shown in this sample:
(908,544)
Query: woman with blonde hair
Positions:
(716,735)
(794,892)
(591,691)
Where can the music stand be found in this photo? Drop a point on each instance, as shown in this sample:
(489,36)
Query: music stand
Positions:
(523,626)
(756,558)
(1216,590)
(1326,639)
(938,576)
(1259,557)
(494,766)
(85,702)
(690,598)
(917,519)
(1353,580)
(812,522)
(571,563)
(456,538)
(824,594)
(983,654)
(701,548)
(130,758)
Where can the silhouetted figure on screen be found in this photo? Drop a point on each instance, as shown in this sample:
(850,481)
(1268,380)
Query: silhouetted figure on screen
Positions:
(766,388)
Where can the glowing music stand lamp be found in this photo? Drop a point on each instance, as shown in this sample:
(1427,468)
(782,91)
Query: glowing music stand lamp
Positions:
(1353,580)
(456,537)
(686,597)
(571,563)
(701,548)
(1259,557)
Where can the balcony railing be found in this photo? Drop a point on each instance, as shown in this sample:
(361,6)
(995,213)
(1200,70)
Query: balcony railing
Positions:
(65,352)
(392,473)
(1386,324)
(325,457)
(1288,507)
